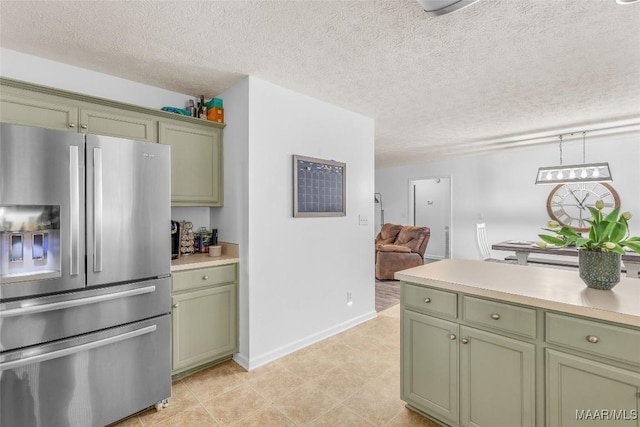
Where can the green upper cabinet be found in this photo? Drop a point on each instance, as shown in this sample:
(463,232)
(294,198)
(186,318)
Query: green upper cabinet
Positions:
(113,122)
(196,163)
(196,145)
(34,109)
(31,108)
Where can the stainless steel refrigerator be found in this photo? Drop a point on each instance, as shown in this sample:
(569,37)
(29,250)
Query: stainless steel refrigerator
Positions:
(84,277)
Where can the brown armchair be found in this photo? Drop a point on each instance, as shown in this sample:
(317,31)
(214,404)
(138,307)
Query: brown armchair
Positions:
(399,247)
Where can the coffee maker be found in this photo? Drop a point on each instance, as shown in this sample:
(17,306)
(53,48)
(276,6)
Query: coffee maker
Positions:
(175,239)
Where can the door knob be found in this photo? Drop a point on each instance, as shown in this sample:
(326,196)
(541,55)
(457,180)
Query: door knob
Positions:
(175,305)
(464,341)
(83,126)
(72,125)
(592,339)
(427,300)
(452,337)
(205,277)
(495,316)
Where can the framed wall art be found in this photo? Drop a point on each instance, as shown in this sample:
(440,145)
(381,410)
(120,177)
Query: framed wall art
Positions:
(319,187)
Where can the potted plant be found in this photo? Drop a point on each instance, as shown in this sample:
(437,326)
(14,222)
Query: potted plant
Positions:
(599,254)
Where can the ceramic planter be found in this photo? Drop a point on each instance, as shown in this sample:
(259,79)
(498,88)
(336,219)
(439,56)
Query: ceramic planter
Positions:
(599,270)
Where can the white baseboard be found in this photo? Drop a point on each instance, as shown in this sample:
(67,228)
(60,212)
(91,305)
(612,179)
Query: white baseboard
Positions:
(270,356)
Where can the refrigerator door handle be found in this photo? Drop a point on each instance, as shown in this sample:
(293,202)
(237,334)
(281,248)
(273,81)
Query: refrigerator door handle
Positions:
(74,207)
(97,209)
(76,349)
(35,309)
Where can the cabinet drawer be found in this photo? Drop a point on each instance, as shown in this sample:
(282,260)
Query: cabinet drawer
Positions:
(500,316)
(614,342)
(430,300)
(201,277)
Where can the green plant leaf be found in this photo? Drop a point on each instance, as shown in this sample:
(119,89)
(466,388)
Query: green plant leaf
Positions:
(581,241)
(617,232)
(600,231)
(613,215)
(595,214)
(618,249)
(552,240)
(634,246)
(568,231)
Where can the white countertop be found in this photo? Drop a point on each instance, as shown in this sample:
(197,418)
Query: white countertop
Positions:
(230,255)
(545,288)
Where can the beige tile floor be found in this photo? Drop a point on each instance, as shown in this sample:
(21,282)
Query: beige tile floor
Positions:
(350,379)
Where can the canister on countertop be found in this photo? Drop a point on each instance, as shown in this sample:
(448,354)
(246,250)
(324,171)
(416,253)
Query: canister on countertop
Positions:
(187,246)
(214,237)
(203,240)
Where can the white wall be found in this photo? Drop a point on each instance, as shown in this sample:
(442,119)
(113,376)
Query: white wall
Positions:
(500,189)
(300,269)
(232,220)
(28,68)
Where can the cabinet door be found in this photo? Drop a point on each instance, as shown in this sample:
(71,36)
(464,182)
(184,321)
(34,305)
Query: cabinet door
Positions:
(204,326)
(497,380)
(32,109)
(196,164)
(100,120)
(582,392)
(429,355)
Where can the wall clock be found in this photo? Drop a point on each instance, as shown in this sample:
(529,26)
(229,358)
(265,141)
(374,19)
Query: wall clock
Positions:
(567,203)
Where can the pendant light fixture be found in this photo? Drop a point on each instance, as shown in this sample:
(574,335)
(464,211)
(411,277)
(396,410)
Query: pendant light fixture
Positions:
(585,172)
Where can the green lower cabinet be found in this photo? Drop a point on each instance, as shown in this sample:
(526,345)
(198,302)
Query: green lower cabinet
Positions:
(497,380)
(582,392)
(204,326)
(430,365)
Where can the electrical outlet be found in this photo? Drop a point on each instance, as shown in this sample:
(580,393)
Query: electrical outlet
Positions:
(349,299)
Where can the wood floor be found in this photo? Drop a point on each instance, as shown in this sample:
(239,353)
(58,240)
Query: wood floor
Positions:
(387,294)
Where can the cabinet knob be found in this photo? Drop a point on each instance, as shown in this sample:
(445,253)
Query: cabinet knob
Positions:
(427,300)
(72,125)
(205,277)
(175,305)
(83,126)
(592,339)
(452,337)
(464,341)
(495,316)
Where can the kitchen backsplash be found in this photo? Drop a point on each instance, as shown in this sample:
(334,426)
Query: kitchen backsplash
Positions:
(198,216)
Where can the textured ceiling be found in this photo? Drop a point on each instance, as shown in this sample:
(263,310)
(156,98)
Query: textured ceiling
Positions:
(470,81)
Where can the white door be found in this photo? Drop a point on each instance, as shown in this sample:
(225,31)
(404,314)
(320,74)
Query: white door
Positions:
(431,199)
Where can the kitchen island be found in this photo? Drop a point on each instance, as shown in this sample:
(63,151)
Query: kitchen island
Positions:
(496,344)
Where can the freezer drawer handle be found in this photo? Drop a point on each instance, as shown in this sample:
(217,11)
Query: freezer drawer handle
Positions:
(74,303)
(76,349)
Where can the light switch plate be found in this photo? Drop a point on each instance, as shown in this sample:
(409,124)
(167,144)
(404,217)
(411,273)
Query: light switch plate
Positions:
(363,220)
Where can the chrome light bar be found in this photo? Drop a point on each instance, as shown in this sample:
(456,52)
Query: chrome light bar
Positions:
(591,172)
